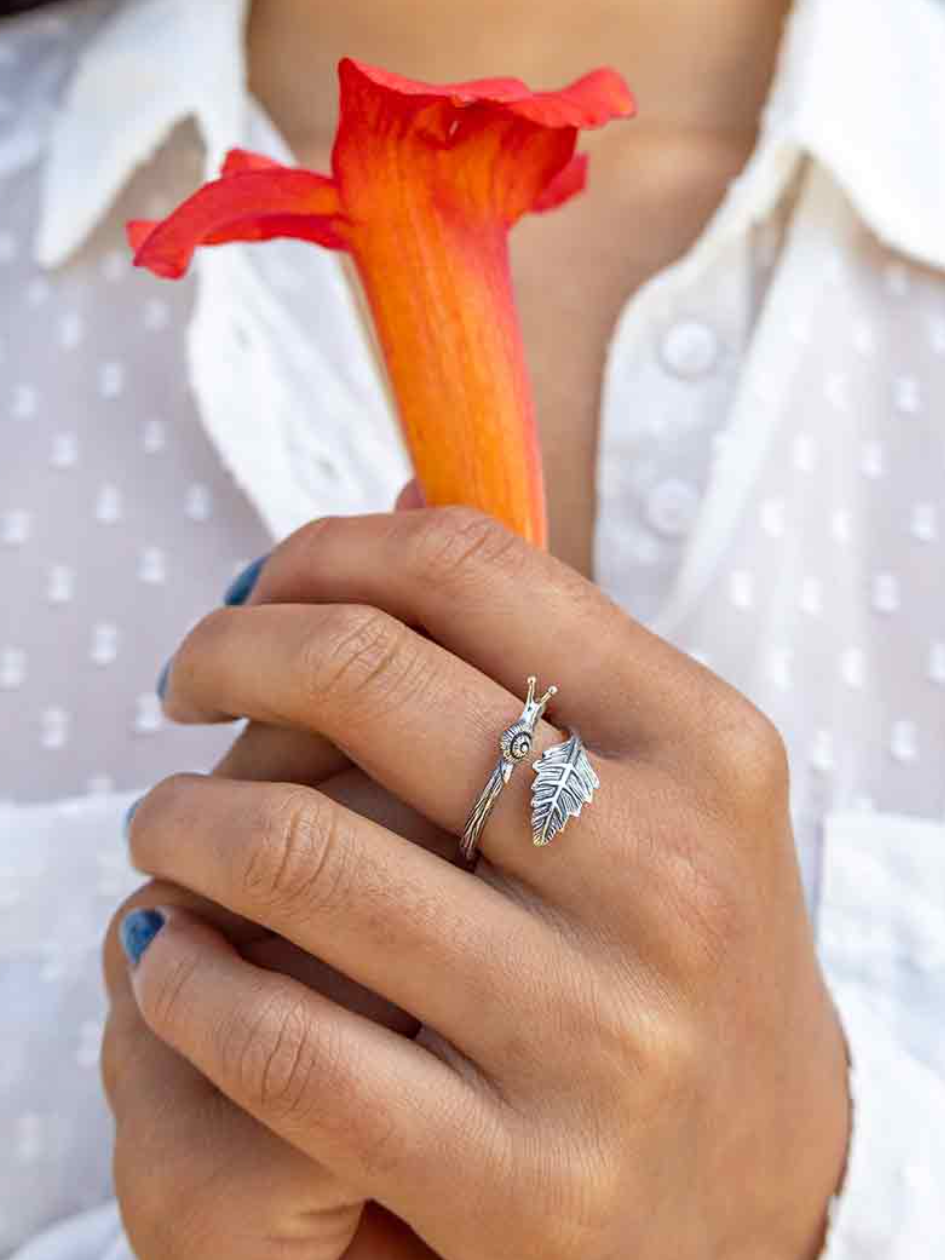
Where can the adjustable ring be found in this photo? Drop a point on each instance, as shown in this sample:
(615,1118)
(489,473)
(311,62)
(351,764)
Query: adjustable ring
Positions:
(514,746)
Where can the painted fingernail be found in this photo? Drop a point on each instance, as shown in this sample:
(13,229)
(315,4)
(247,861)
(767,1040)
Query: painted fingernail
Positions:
(138,930)
(130,816)
(240,589)
(163,679)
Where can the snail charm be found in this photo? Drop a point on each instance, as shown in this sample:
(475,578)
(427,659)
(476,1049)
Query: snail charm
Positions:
(515,744)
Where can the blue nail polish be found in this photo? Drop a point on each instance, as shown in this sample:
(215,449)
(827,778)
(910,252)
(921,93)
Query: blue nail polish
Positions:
(240,589)
(162,680)
(130,815)
(138,930)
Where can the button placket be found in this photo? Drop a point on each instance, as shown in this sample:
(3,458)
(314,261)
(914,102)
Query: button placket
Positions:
(671,507)
(690,349)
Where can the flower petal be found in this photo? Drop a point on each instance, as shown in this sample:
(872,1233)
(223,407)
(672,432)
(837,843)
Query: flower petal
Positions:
(239,160)
(484,147)
(590,101)
(237,207)
(138,231)
(496,90)
(566,184)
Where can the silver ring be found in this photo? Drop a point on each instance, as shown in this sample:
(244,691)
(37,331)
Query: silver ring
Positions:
(514,746)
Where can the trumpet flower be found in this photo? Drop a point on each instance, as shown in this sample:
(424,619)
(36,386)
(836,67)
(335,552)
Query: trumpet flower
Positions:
(426,183)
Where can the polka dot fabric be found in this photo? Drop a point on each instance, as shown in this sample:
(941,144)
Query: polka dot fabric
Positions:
(118,524)
(771,490)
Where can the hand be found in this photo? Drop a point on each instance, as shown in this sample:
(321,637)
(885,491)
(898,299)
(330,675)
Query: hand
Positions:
(628,1048)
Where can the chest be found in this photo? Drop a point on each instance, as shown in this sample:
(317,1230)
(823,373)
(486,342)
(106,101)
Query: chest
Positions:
(574,271)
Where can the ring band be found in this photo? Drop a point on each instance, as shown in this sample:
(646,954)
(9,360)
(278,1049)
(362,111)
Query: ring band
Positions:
(515,744)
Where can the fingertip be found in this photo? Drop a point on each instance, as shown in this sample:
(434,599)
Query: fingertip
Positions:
(138,930)
(410,498)
(163,679)
(243,585)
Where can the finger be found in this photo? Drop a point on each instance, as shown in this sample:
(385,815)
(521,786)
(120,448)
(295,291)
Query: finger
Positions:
(136,1067)
(386,913)
(504,607)
(177,1138)
(263,753)
(410,498)
(268,753)
(380,1110)
(416,719)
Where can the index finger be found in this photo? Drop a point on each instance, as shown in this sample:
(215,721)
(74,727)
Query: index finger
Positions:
(502,606)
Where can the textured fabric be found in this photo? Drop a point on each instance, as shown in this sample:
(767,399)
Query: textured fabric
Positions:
(771,498)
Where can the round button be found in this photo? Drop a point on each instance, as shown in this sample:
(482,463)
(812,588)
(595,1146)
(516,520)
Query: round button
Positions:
(671,508)
(690,349)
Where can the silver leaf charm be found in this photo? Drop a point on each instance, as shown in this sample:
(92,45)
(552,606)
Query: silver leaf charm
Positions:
(565,782)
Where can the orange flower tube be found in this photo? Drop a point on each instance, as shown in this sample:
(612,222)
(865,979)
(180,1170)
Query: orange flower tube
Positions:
(426,183)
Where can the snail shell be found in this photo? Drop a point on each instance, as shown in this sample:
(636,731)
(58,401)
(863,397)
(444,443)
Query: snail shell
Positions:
(516,742)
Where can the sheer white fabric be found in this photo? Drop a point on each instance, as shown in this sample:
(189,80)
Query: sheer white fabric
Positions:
(771,498)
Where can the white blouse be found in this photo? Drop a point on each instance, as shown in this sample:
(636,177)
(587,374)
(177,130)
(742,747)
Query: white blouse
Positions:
(771,498)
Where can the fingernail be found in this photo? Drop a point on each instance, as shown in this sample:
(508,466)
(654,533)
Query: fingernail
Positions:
(162,680)
(130,815)
(240,589)
(138,930)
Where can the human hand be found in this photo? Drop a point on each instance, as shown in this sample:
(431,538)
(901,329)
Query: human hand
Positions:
(628,1048)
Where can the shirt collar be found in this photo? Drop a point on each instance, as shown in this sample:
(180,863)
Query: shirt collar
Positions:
(861,90)
(858,87)
(149,64)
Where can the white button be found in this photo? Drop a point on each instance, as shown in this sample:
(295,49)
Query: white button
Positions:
(690,349)
(671,508)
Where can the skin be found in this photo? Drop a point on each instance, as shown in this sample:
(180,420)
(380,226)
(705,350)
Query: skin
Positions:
(618,1045)
(346,1044)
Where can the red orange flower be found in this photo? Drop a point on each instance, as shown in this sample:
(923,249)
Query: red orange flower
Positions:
(426,183)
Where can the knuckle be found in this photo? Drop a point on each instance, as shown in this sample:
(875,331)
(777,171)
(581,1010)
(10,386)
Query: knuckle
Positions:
(698,875)
(748,754)
(379,1144)
(296,859)
(670,1055)
(303,1078)
(165,999)
(458,546)
(359,655)
(668,1066)
(273,1056)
